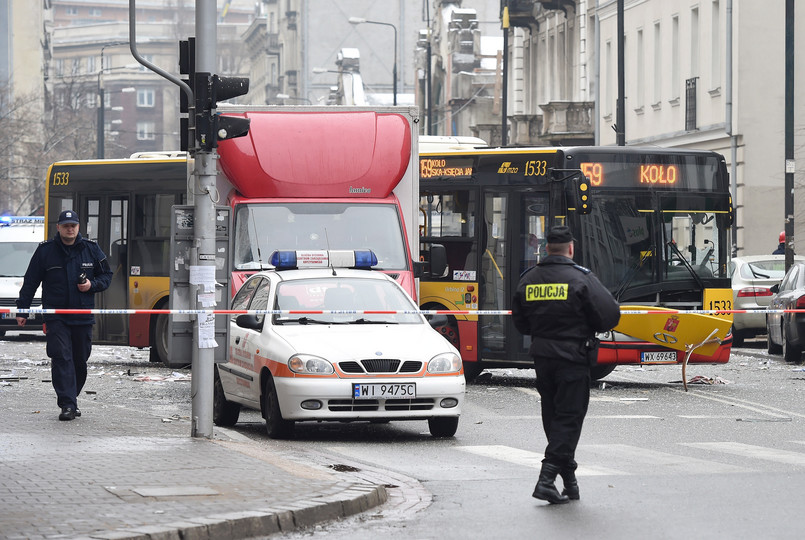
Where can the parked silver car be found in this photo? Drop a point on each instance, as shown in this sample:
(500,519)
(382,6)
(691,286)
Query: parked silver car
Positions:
(752,279)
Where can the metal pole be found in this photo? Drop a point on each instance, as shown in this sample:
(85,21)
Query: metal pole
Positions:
(395,64)
(203,359)
(101,133)
(620,122)
(429,56)
(789,133)
(504,128)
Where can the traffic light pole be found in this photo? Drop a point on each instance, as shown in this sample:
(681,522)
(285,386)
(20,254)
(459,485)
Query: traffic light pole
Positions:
(197,58)
(203,358)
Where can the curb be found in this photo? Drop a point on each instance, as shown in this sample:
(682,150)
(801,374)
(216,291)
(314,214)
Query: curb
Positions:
(352,500)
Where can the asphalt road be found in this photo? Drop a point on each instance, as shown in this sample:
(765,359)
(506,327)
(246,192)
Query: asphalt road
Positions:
(723,460)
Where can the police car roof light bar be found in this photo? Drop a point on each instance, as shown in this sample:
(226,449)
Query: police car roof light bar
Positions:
(287,260)
(5,221)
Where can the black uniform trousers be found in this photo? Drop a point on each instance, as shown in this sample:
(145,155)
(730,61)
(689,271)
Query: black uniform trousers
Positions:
(564,389)
(69,347)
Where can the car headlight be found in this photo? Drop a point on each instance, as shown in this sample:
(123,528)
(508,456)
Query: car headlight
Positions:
(308,364)
(445,363)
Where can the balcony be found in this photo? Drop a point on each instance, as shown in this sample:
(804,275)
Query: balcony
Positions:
(523,13)
(273,42)
(568,122)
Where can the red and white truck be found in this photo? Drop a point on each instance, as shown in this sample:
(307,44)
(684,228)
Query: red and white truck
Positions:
(313,178)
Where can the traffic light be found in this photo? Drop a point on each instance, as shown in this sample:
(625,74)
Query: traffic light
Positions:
(581,183)
(208,127)
(187,66)
(212,127)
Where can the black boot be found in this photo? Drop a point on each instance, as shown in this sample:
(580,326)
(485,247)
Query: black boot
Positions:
(571,488)
(546,489)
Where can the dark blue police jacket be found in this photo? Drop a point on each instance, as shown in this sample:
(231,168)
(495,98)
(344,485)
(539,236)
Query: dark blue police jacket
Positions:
(58,267)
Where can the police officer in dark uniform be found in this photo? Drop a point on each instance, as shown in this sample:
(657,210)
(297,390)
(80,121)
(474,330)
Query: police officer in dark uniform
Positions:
(562,305)
(71,270)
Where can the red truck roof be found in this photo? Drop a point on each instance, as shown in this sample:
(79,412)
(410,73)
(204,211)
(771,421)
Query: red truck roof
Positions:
(318,154)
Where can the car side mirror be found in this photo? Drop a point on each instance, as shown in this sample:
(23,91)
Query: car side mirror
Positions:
(250,321)
(775,288)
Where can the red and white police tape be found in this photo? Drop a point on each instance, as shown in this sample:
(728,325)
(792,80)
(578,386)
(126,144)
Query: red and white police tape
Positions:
(42,311)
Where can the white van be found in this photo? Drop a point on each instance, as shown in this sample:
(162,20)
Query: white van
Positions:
(19,237)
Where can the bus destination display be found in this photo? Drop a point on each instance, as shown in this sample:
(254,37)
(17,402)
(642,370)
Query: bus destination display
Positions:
(642,174)
(445,167)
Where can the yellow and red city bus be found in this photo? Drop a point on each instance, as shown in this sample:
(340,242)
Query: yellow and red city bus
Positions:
(125,206)
(655,230)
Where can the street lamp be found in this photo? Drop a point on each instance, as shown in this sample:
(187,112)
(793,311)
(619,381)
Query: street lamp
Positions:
(359,20)
(101,105)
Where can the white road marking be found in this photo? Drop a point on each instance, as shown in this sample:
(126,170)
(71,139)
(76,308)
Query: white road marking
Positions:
(531,459)
(752,451)
(636,458)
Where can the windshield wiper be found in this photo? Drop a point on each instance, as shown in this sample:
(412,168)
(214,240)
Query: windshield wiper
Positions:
(301,320)
(631,275)
(686,263)
(369,321)
(757,274)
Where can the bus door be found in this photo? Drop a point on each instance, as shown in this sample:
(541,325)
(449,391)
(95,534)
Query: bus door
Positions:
(107,224)
(517,225)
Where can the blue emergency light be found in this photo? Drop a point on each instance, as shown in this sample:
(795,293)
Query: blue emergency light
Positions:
(287,260)
(5,221)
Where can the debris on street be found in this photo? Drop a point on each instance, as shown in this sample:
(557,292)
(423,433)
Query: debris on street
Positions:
(174,377)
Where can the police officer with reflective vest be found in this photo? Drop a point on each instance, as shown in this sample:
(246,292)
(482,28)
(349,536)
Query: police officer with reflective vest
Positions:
(562,305)
(71,270)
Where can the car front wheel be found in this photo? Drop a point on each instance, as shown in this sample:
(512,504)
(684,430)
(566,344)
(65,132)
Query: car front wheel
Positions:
(791,352)
(771,346)
(276,426)
(443,426)
(224,412)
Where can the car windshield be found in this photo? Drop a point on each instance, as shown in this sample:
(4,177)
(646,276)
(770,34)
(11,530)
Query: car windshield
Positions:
(347,297)
(772,269)
(14,257)
(261,228)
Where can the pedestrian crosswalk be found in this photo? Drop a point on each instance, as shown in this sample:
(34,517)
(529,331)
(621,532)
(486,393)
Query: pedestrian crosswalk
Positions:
(677,459)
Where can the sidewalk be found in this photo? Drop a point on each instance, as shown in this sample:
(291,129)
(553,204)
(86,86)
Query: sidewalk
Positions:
(120,473)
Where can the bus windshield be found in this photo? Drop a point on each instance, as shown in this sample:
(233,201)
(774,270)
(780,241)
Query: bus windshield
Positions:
(638,245)
(261,228)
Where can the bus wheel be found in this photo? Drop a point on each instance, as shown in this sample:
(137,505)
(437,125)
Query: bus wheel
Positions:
(449,332)
(599,372)
(159,340)
(276,426)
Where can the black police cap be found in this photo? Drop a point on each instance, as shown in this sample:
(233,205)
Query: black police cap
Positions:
(559,235)
(68,216)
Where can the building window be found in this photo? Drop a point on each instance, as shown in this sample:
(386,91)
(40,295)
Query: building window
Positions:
(145,98)
(145,131)
(71,10)
(690,104)
(608,97)
(75,68)
(148,58)
(715,47)
(694,42)
(58,67)
(95,12)
(90,64)
(675,80)
(641,72)
(92,101)
(657,62)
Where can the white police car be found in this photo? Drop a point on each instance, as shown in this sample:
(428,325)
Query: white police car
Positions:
(342,343)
